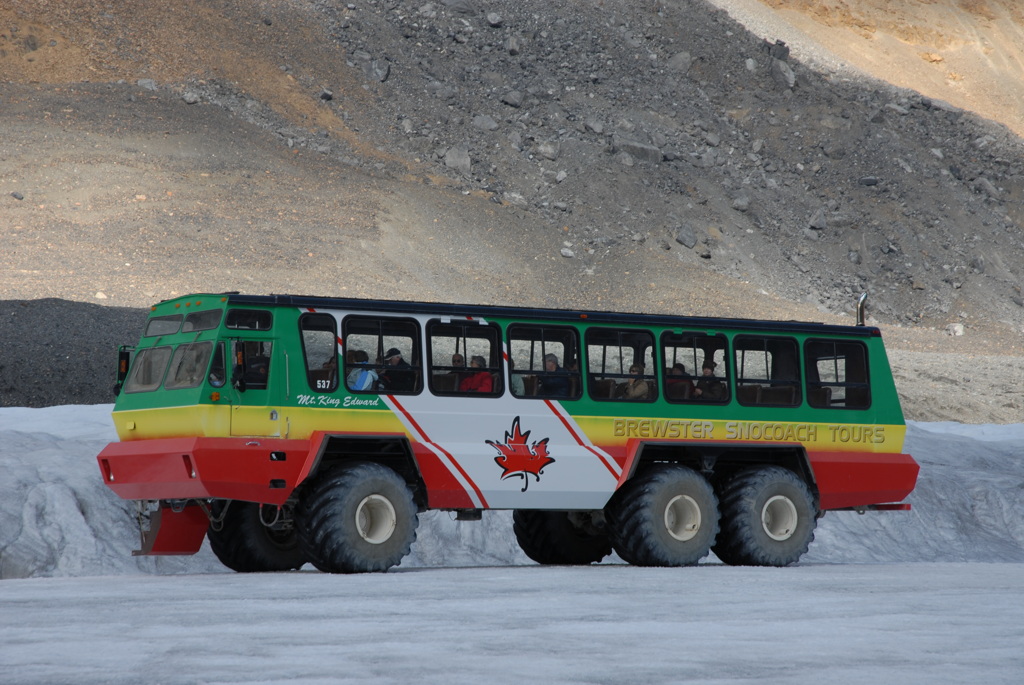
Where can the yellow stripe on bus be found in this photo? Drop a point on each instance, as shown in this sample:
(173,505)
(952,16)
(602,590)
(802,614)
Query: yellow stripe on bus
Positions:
(300,422)
(832,437)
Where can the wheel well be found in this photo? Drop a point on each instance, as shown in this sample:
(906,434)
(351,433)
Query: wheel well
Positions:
(719,463)
(390,451)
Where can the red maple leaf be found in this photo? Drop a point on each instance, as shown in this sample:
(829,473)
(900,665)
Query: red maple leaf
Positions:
(519,458)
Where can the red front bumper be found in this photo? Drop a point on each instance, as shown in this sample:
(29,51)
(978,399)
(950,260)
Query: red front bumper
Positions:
(252,469)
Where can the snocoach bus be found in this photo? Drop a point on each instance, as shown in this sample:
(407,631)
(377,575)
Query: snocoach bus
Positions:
(292,430)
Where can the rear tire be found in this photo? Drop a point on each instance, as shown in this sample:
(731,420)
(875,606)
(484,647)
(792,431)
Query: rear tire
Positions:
(566,538)
(768,518)
(244,544)
(357,518)
(667,516)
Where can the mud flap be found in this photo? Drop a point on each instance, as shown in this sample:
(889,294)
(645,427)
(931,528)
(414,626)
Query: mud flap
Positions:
(174,532)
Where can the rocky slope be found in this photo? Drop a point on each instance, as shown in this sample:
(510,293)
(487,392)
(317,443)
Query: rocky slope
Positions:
(640,156)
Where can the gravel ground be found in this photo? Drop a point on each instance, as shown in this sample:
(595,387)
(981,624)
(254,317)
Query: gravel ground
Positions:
(205,156)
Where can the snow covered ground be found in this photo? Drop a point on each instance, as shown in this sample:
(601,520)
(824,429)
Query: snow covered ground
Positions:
(934,595)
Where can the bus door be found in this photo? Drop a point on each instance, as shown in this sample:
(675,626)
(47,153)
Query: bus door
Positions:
(255,373)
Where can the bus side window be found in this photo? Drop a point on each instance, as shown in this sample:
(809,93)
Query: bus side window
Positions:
(544,361)
(694,367)
(464,358)
(320,351)
(767,371)
(837,374)
(620,365)
(382,355)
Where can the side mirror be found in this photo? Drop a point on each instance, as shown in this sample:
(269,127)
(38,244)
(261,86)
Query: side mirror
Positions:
(124,357)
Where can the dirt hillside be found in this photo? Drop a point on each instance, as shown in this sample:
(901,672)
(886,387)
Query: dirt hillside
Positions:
(633,156)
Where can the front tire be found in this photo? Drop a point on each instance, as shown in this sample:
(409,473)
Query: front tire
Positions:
(667,516)
(768,518)
(244,543)
(357,518)
(565,538)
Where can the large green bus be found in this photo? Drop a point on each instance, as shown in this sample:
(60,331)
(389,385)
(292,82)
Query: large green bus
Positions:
(293,430)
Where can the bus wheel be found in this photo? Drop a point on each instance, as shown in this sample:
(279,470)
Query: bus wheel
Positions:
(244,543)
(560,537)
(768,518)
(357,518)
(666,516)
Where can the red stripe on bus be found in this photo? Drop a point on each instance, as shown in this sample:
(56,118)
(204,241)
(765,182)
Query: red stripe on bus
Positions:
(426,439)
(579,440)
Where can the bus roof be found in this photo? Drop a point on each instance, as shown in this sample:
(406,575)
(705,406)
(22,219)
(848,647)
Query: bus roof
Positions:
(550,314)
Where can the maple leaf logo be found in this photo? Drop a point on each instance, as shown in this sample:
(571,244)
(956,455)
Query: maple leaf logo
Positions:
(520,459)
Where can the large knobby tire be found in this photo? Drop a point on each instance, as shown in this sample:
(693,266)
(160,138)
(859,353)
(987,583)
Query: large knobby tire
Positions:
(560,537)
(244,543)
(666,516)
(357,518)
(768,518)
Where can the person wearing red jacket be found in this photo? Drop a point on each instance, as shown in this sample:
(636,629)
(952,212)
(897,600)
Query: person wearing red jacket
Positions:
(478,381)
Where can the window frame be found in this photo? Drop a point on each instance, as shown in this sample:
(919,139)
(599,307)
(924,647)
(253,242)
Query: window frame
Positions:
(172,380)
(591,338)
(414,358)
(316,379)
(257,316)
(567,336)
(674,339)
(810,359)
(156,321)
(495,366)
(208,319)
(141,357)
(772,382)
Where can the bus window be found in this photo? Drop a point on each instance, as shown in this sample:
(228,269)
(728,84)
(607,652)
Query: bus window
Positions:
(837,374)
(148,370)
(694,367)
(392,349)
(620,364)
(218,369)
(464,358)
(320,351)
(249,319)
(188,365)
(252,364)
(162,325)
(546,360)
(767,371)
(201,321)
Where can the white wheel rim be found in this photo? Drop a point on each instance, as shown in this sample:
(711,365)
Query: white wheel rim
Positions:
(779,518)
(682,518)
(376,519)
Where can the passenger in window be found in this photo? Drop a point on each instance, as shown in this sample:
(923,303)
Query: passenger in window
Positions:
(635,388)
(398,375)
(458,369)
(555,381)
(708,386)
(477,381)
(360,379)
(677,376)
